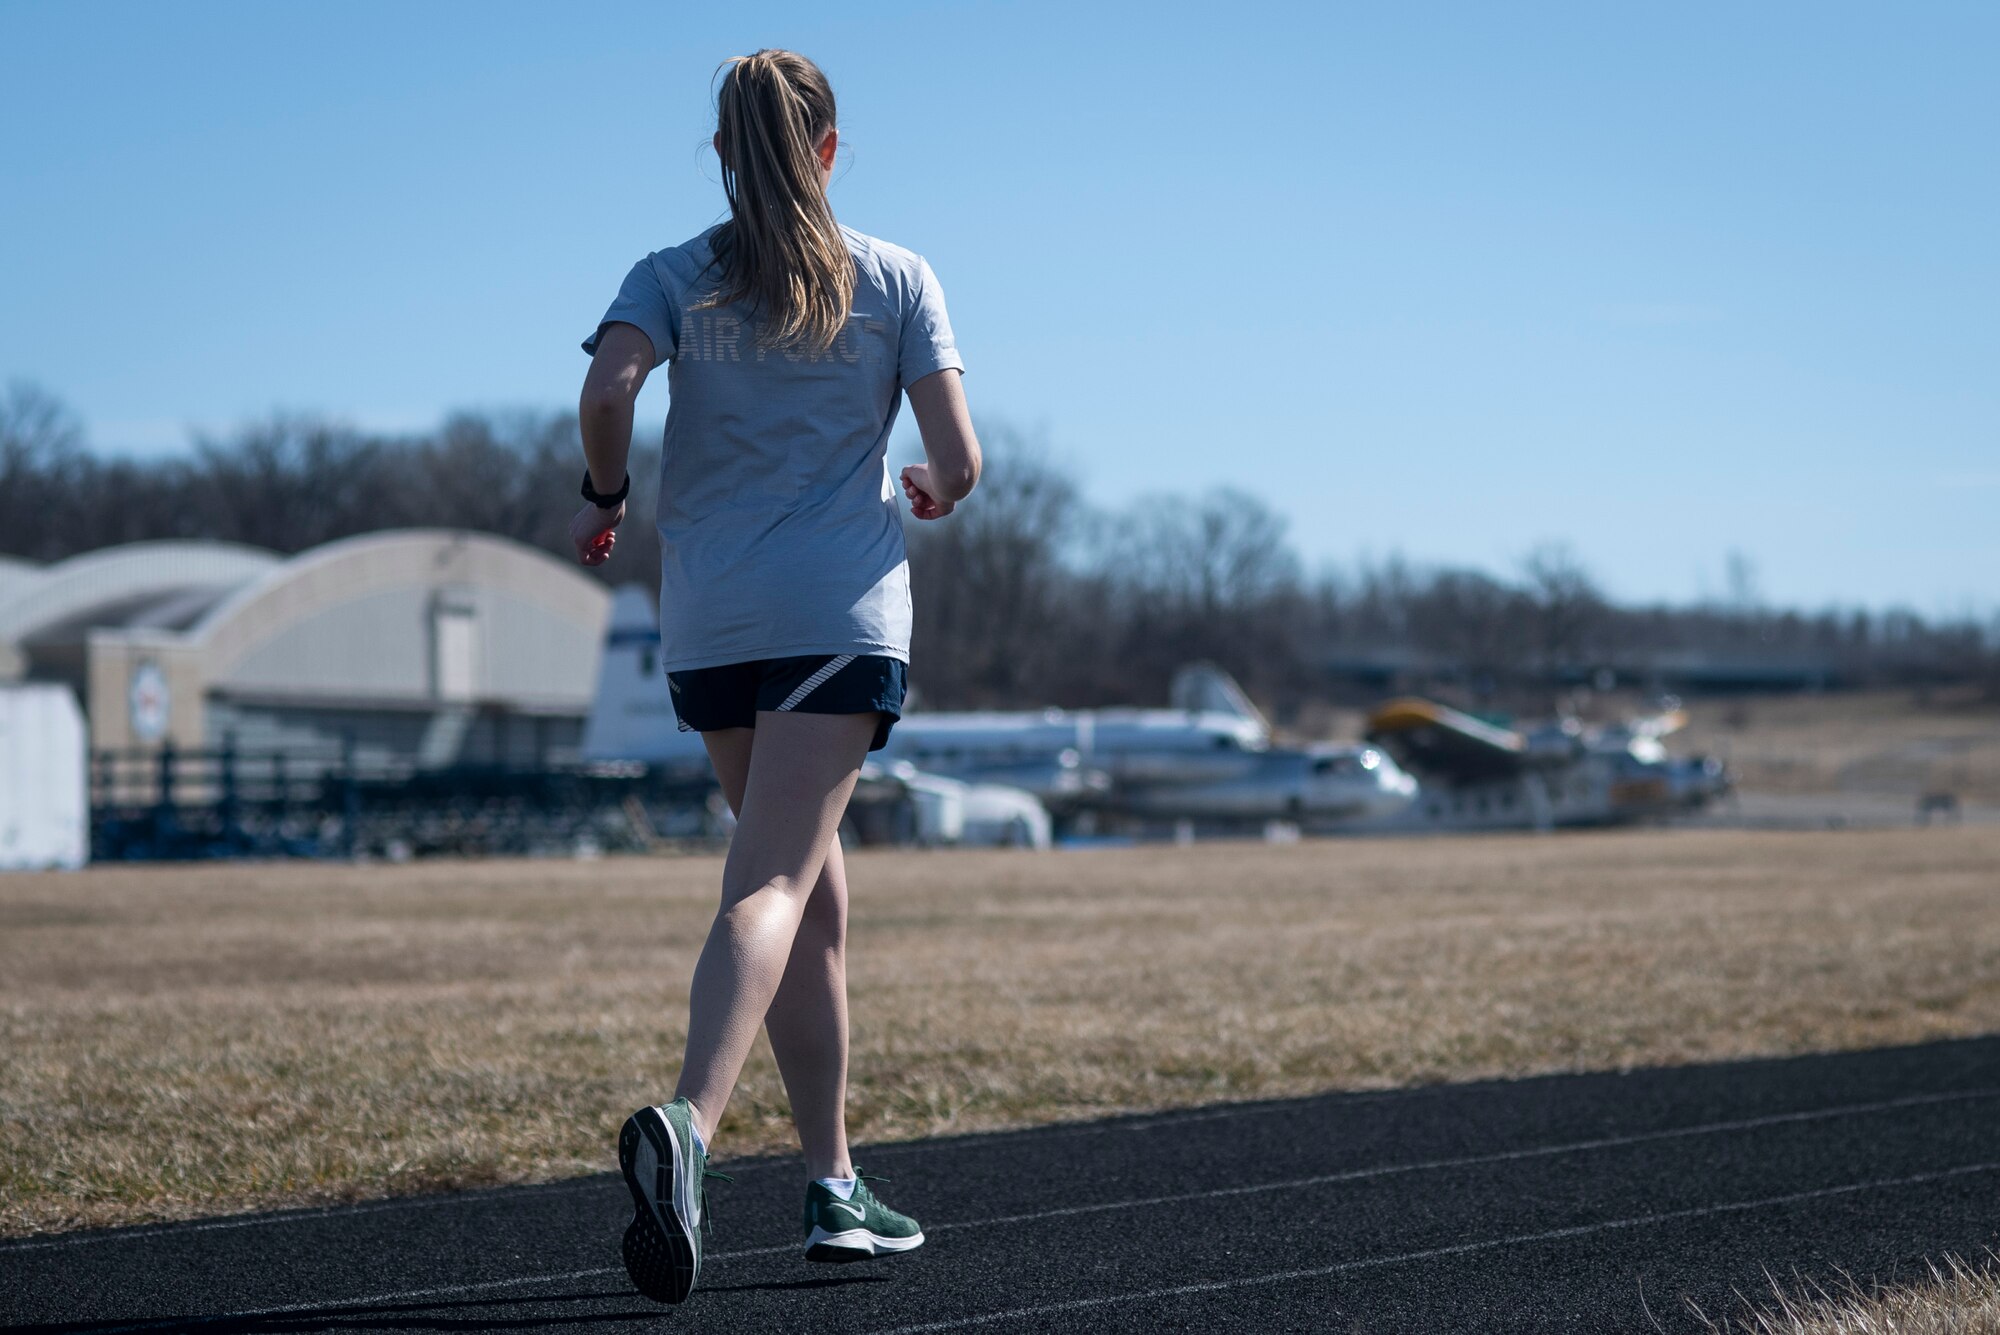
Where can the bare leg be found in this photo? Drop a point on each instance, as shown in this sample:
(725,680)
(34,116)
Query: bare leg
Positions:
(802,770)
(807,1022)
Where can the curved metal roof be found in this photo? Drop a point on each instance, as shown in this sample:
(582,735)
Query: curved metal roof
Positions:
(351,567)
(355,618)
(115,585)
(15,575)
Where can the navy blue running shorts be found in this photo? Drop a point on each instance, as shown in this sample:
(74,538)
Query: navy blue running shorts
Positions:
(729,696)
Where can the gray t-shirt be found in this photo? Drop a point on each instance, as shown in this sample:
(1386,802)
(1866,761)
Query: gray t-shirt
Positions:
(781,531)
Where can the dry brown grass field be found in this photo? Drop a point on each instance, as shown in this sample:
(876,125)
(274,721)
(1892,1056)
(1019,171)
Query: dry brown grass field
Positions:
(198,1039)
(1886,743)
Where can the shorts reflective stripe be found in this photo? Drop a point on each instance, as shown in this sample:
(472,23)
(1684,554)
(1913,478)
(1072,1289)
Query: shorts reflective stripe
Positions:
(812,683)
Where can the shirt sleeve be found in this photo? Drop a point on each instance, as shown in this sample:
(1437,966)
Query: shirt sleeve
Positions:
(643,302)
(926,345)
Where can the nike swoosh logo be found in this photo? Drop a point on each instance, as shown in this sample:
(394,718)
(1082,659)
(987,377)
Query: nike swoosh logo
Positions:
(857,1213)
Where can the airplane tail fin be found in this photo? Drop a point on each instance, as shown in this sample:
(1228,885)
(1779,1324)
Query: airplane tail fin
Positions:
(625,720)
(1206,688)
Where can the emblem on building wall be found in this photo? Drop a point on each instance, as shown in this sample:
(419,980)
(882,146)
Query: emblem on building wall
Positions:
(150,702)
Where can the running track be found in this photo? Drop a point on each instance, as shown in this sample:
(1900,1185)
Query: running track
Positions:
(1574,1203)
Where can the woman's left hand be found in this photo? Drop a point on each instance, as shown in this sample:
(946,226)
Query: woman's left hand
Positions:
(917,486)
(594,531)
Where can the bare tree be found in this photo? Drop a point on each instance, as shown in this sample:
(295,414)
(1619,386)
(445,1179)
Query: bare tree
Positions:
(1472,620)
(1213,578)
(990,582)
(295,482)
(41,445)
(1569,610)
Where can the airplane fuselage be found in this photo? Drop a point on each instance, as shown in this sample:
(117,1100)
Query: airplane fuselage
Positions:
(1067,757)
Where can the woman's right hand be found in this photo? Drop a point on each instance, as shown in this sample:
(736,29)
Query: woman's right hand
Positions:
(924,504)
(594,531)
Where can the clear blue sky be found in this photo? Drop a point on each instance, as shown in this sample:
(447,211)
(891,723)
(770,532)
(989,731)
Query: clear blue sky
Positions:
(1444,279)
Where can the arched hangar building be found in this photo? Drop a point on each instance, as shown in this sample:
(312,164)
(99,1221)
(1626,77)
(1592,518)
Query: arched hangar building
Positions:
(413,647)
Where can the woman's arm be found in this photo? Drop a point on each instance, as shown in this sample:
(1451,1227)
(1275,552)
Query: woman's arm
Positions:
(604,414)
(624,356)
(951,450)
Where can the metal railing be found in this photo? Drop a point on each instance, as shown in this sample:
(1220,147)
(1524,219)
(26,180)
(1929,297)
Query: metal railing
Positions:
(210,802)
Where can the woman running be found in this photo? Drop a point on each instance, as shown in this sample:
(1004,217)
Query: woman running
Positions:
(784,613)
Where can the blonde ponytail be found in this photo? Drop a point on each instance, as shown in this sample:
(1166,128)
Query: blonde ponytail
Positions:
(781,249)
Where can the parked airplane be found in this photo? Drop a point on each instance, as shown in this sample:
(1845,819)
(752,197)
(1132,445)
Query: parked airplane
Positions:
(1321,788)
(898,803)
(1478,776)
(632,718)
(1208,758)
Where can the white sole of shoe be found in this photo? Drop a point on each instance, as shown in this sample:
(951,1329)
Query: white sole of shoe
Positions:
(855,1244)
(660,1248)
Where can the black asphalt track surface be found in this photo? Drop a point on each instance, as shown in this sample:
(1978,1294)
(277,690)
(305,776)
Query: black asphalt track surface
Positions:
(1571,1203)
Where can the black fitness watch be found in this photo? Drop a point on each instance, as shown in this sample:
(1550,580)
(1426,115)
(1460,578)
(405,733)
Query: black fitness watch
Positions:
(611,502)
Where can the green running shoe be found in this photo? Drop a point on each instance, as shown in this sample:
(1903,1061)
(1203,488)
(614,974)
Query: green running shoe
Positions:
(667,1176)
(839,1230)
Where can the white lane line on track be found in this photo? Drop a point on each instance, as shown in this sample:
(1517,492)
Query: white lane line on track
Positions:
(401,1295)
(1435,1253)
(145,1232)
(297,1309)
(1351,1175)
(1474,1160)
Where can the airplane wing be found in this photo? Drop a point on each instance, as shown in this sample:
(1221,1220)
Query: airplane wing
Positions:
(1436,740)
(1664,724)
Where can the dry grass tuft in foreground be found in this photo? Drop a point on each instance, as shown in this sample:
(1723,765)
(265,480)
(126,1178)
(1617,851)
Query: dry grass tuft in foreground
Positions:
(178,1041)
(1958,1298)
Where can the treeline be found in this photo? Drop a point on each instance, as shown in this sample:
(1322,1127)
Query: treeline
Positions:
(288,483)
(1033,596)
(1027,596)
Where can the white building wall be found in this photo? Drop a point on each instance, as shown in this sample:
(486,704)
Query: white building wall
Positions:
(44,784)
(373,646)
(444,644)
